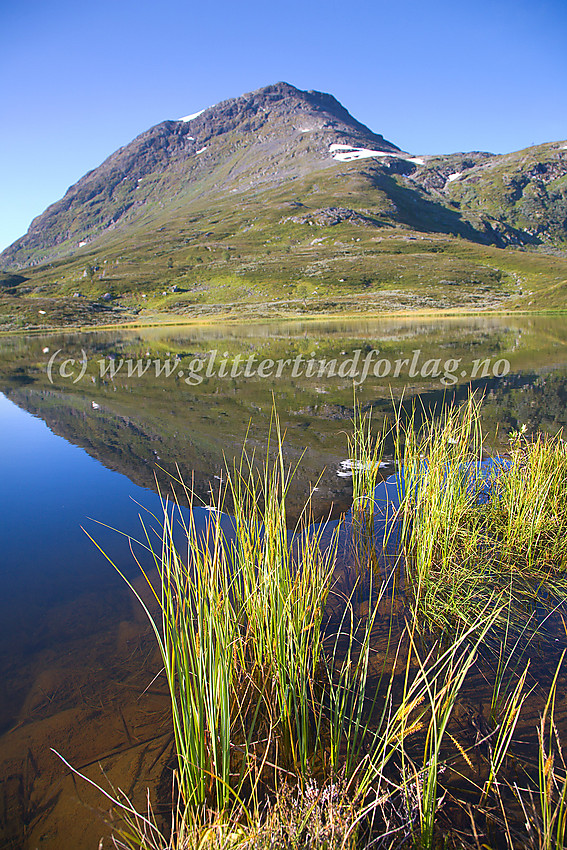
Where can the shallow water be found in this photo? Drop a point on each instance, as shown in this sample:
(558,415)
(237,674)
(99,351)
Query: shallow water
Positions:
(77,662)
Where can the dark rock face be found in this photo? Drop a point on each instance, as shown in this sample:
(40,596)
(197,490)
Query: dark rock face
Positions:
(251,112)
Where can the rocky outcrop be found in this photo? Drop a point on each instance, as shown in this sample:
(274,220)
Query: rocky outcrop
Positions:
(331,216)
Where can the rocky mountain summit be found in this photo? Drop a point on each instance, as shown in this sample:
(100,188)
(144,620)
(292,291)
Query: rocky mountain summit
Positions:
(264,138)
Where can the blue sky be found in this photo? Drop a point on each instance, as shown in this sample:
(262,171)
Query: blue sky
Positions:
(80,80)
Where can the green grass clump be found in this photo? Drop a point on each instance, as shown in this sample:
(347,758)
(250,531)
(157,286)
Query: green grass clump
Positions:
(466,539)
(530,505)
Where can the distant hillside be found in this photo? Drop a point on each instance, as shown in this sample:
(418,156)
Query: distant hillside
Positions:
(517,198)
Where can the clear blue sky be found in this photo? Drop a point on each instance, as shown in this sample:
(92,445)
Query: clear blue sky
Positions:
(80,80)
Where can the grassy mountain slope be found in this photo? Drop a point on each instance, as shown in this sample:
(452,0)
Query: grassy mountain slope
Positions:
(281,203)
(266,137)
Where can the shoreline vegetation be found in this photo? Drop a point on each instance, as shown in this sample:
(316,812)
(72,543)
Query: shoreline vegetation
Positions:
(231,318)
(400,690)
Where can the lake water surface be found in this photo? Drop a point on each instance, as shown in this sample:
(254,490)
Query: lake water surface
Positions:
(82,446)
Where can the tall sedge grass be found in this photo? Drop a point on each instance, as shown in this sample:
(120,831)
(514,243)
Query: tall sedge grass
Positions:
(196,628)
(531,511)
(282,586)
(469,535)
(291,728)
(441,529)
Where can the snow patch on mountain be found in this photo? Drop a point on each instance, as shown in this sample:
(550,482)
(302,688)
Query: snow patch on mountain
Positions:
(194,115)
(348,153)
(454,176)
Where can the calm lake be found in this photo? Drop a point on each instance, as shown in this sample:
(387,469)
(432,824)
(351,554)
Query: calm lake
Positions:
(93,426)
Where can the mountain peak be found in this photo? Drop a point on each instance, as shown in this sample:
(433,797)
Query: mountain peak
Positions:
(287,100)
(265,137)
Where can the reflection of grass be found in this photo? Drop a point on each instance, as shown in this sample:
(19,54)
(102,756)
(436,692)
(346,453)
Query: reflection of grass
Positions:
(297,731)
(549,819)
(365,453)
